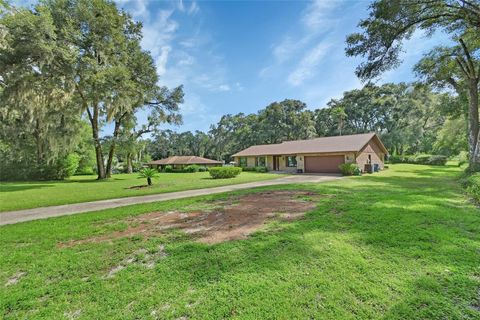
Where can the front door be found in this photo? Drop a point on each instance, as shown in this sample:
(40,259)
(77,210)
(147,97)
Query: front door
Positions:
(276,163)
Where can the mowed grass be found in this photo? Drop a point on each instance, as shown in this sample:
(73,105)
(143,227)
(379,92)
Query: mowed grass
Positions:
(26,195)
(401,244)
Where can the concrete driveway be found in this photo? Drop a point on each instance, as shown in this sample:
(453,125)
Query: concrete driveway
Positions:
(11,217)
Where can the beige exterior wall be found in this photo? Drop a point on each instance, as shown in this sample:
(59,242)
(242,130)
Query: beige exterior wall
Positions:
(269,162)
(376,154)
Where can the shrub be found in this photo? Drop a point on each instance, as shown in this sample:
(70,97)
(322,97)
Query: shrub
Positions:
(168,168)
(261,169)
(248,169)
(396,159)
(462,158)
(437,160)
(202,169)
(224,172)
(421,159)
(471,183)
(191,168)
(348,169)
(148,173)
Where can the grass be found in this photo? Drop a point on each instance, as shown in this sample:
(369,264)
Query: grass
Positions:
(401,244)
(26,195)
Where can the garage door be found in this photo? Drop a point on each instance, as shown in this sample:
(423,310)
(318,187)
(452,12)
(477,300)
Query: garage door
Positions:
(326,164)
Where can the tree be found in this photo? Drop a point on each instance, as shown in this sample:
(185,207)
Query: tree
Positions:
(113,77)
(339,115)
(392,22)
(38,119)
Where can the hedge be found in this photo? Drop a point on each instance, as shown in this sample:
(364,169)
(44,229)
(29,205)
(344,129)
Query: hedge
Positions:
(255,169)
(429,159)
(224,172)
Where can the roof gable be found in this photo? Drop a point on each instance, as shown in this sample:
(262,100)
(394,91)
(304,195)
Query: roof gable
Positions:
(185,160)
(348,143)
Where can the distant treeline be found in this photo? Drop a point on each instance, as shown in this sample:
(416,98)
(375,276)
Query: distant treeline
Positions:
(409,118)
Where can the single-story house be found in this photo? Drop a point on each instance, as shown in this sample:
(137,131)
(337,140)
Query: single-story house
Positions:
(178,162)
(316,155)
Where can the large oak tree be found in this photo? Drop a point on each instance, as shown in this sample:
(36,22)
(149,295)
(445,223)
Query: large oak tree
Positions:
(390,23)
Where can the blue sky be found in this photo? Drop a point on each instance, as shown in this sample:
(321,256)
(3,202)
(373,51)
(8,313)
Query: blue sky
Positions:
(239,56)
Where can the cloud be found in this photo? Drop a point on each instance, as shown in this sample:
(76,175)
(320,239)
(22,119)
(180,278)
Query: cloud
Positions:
(161,60)
(318,14)
(303,43)
(194,8)
(305,69)
(224,87)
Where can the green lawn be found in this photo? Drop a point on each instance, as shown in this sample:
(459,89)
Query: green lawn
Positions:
(25,195)
(401,244)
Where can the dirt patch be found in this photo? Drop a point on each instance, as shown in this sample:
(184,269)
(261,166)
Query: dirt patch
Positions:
(141,257)
(15,278)
(230,219)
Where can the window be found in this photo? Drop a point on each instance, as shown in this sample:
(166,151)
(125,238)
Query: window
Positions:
(242,161)
(260,162)
(369,158)
(291,161)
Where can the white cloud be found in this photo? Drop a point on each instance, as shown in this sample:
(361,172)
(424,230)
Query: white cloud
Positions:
(180,6)
(303,45)
(318,14)
(305,69)
(194,8)
(224,87)
(162,59)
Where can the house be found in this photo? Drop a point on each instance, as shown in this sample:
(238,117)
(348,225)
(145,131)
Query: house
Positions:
(178,162)
(316,155)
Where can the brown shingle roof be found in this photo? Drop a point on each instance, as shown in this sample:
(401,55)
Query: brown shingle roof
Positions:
(185,160)
(349,143)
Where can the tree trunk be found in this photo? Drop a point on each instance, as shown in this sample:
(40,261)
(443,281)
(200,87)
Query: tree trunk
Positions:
(149,181)
(111,152)
(129,163)
(38,142)
(98,146)
(473,126)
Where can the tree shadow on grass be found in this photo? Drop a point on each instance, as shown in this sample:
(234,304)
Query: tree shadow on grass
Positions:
(14,188)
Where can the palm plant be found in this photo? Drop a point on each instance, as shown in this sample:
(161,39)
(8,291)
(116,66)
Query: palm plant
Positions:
(148,173)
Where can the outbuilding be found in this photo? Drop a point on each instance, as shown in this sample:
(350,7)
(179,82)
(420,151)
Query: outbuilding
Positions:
(178,162)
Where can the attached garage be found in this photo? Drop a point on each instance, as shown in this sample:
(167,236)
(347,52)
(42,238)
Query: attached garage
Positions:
(321,164)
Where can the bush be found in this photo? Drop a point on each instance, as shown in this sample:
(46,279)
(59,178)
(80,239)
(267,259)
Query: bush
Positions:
(224,172)
(462,158)
(348,169)
(168,168)
(202,169)
(437,160)
(396,159)
(255,169)
(421,159)
(471,183)
(191,168)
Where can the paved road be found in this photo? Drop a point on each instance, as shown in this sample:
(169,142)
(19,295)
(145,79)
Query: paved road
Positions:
(11,217)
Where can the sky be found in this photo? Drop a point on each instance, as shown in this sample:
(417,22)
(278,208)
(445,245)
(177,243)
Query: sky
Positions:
(240,56)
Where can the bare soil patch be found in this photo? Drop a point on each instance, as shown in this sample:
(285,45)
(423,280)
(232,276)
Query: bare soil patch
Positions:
(15,278)
(225,220)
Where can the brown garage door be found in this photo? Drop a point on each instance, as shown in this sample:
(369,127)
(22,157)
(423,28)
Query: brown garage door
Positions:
(323,163)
